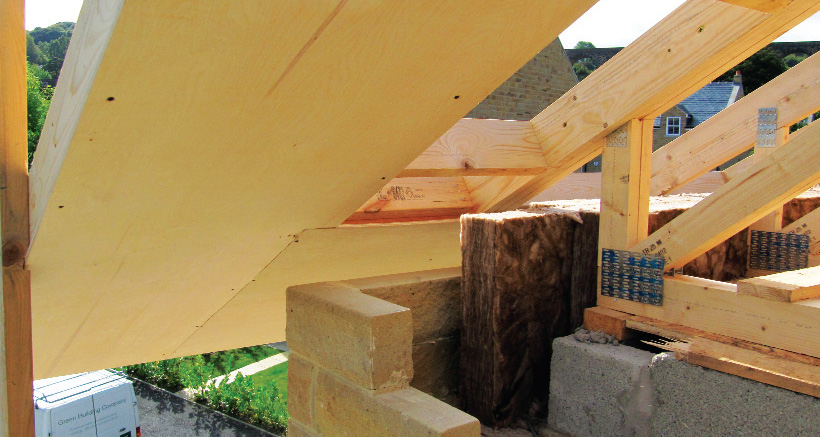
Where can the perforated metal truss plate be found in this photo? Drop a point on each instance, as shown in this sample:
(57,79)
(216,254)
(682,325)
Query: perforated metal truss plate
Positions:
(618,137)
(778,251)
(632,276)
(766,127)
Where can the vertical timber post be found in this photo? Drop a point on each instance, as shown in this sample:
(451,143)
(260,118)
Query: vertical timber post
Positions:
(16,370)
(625,176)
(774,221)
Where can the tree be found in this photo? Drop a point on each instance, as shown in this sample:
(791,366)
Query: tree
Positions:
(54,51)
(38,97)
(50,33)
(583,67)
(757,70)
(793,59)
(33,53)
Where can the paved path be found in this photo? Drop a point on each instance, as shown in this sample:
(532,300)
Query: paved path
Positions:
(252,368)
(163,414)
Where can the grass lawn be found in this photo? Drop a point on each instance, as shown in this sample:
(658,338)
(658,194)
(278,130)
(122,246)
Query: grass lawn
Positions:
(236,358)
(277,374)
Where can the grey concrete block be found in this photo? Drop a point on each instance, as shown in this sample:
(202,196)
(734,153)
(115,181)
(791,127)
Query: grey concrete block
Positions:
(695,401)
(598,389)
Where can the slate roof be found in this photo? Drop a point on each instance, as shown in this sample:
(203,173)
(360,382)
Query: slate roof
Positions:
(708,101)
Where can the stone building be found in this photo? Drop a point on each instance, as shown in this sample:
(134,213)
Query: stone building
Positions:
(544,79)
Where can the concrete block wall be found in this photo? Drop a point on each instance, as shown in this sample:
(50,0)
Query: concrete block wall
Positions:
(605,390)
(350,369)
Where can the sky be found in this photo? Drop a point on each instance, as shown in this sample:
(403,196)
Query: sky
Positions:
(597,26)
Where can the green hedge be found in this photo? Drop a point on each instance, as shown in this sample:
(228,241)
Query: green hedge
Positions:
(242,398)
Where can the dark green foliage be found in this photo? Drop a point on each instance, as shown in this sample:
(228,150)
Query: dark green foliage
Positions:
(45,52)
(52,32)
(584,67)
(249,402)
(47,47)
(38,98)
(757,70)
(793,59)
(33,53)
(244,398)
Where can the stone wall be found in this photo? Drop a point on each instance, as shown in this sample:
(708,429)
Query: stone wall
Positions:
(351,365)
(545,78)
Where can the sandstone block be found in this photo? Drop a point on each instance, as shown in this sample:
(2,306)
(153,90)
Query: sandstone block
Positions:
(343,408)
(433,297)
(435,368)
(361,338)
(296,429)
(301,377)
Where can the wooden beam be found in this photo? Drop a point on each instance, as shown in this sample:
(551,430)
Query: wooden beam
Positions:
(160,196)
(13,141)
(608,321)
(588,186)
(413,199)
(475,147)
(625,186)
(716,307)
(784,174)
(773,221)
(760,5)
(795,93)
(772,366)
(684,51)
(790,286)
(16,378)
(19,373)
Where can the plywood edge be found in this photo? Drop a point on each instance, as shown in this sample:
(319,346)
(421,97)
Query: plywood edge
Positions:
(93,30)
(382,252)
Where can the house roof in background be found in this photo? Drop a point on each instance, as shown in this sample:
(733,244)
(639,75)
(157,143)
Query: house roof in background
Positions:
(709,100)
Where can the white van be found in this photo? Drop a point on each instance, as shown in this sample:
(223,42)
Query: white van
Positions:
(100,403)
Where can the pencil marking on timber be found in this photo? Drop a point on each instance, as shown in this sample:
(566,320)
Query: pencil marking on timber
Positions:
(399,192)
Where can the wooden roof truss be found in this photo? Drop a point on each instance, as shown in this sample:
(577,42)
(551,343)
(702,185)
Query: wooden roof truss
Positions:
(193,252)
